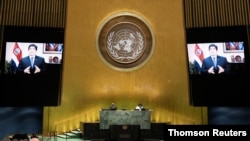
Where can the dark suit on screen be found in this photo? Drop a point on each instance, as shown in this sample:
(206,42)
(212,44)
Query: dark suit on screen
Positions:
(221,61)
(25,62)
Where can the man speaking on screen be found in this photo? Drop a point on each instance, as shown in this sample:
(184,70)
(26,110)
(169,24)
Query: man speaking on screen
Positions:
(32,64)
(215,64)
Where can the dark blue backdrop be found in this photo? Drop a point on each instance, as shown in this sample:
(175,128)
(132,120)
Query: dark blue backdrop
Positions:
(229,115)
(20,120)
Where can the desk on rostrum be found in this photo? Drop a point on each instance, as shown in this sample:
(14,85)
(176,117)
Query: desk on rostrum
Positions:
(125,117)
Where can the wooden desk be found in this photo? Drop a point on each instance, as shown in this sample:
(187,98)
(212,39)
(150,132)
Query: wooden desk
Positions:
(125,117)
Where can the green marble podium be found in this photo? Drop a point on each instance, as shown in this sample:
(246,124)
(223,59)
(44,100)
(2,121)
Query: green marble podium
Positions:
(125,117)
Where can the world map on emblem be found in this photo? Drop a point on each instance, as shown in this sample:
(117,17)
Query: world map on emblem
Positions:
(125,41)
(125,46)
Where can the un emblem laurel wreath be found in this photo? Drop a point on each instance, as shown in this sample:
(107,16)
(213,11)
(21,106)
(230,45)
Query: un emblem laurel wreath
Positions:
(135,54)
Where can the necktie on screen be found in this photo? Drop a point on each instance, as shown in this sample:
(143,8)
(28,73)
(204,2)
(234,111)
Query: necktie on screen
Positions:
(214,60)
(32,61)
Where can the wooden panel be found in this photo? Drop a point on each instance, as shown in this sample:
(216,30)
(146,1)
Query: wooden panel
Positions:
(211,13)
(41,13)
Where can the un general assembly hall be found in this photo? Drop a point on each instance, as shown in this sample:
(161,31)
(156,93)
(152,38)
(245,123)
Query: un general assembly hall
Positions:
(124,70)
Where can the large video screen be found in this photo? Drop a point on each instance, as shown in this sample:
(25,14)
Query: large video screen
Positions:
(218,68)
(31,66)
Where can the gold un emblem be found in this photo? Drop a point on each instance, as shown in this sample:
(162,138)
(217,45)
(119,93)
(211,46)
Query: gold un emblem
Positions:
(125,41)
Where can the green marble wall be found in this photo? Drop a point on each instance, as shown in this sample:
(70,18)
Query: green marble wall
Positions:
(125,117)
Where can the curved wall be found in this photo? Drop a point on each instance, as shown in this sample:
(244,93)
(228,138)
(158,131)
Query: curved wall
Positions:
(89,84)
